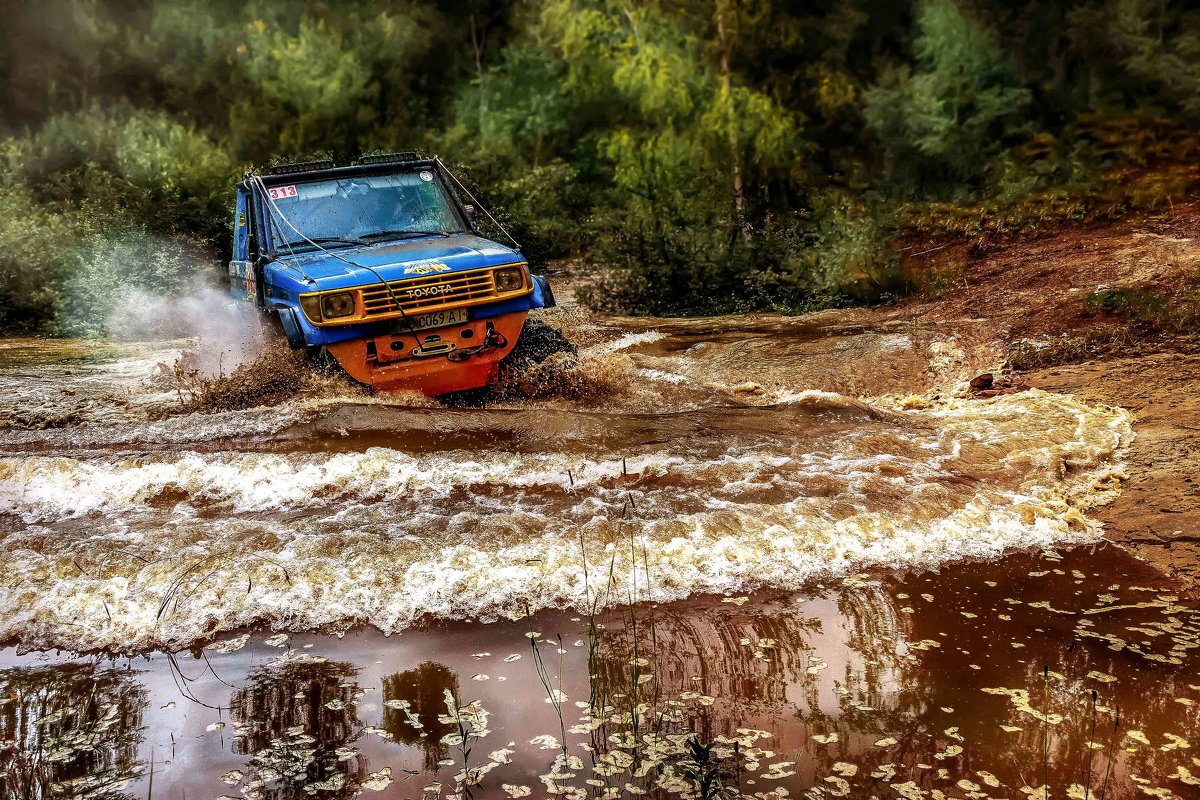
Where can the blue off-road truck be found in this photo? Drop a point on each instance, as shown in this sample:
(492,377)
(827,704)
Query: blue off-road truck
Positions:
(380,264)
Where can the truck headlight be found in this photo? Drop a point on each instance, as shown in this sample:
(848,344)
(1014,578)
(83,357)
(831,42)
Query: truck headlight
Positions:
(509,280)
(337,305)
(312,307)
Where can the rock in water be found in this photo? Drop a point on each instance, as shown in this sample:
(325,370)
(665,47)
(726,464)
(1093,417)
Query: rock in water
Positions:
(981,383)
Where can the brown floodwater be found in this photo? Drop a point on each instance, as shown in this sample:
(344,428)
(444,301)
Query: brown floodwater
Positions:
(745,555)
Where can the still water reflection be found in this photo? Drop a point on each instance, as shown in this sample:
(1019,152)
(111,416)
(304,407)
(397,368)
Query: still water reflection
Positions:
(413,700)
(296,721)
(70,730)
(1038,673)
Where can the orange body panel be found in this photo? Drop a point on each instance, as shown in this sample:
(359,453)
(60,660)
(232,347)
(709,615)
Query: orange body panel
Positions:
(386,363)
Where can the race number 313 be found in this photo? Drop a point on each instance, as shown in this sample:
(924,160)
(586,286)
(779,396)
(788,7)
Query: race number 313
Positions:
(280,192)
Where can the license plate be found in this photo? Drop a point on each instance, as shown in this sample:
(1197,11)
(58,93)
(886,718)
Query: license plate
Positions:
(438,319)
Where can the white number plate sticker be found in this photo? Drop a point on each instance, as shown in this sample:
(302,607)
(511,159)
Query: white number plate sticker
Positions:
(438,319)
(281,192)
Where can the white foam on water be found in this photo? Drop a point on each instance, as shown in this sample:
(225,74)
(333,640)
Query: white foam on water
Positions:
(662,376)
(623,342)
(138,551)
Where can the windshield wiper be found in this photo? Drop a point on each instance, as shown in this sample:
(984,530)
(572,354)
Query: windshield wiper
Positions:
(336,239)
(402,234)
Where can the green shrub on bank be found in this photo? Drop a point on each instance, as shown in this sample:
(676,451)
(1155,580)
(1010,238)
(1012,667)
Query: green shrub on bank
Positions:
(851,251)
(140,165)
(840,253)
(96,201)
(34,241)
(111,276)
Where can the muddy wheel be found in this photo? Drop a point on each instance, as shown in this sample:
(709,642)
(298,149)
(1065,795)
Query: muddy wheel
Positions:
(538,342)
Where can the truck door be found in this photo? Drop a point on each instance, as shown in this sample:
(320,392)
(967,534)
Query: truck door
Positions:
(245,279)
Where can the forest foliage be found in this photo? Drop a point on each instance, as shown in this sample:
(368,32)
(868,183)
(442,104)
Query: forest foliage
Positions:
(695,156)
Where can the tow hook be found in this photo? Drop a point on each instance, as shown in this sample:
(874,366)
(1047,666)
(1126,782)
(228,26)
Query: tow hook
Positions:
(427,349)
(492,339)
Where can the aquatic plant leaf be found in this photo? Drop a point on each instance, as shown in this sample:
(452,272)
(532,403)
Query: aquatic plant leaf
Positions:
(378,781)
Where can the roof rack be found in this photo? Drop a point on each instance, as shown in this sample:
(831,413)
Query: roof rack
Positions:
(298,166)
(390,158)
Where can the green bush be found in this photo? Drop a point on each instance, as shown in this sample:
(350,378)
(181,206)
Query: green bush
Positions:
(32,260)
(94,203)
(852,251)
(112,276)
(144,166)
(1139,304)
(841,252)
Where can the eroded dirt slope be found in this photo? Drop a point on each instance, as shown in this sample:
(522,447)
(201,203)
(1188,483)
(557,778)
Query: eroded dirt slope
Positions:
(1035,289)
(1035,286)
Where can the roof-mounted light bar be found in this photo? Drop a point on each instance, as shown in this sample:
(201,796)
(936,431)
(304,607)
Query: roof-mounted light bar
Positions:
(298,166)
(390,158)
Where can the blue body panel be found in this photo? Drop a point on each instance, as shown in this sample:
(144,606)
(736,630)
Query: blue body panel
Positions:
(241,272)
(289,276)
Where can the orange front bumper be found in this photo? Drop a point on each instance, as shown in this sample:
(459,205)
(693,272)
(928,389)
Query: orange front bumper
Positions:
(387,363)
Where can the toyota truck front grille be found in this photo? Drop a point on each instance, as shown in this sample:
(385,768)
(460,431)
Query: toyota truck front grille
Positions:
(431,293)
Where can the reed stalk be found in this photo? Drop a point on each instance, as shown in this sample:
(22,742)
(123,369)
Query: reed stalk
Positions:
(1087,784)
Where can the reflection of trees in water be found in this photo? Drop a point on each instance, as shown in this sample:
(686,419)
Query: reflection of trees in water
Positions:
(874,627)
(69,730)
(754,661)
(720,671)
(907,696)
(1056,679)
(297,721)
(419,695)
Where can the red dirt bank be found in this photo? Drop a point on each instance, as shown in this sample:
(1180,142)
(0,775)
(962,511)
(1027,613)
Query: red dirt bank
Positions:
(1035,288)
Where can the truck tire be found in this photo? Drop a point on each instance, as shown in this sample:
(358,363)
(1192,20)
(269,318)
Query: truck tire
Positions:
(538,342)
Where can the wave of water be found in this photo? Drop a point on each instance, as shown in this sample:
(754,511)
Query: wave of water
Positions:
(356,513)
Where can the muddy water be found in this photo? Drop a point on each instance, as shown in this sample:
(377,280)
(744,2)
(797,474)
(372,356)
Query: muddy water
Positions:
(772,494)
(973,682)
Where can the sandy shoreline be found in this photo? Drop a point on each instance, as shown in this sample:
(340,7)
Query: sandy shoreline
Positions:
(1157,515)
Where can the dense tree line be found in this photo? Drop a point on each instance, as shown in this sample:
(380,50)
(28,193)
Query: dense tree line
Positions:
(706,155)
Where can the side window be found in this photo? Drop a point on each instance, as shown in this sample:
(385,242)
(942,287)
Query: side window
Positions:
(241,229)
(254,227)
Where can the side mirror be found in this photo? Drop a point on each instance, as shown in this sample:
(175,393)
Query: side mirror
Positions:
(470,214)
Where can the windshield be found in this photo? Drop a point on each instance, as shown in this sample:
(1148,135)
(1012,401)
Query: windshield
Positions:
(360,210)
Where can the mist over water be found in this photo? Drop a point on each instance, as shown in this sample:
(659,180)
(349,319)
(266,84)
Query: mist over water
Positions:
(699,469)
(227,333)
